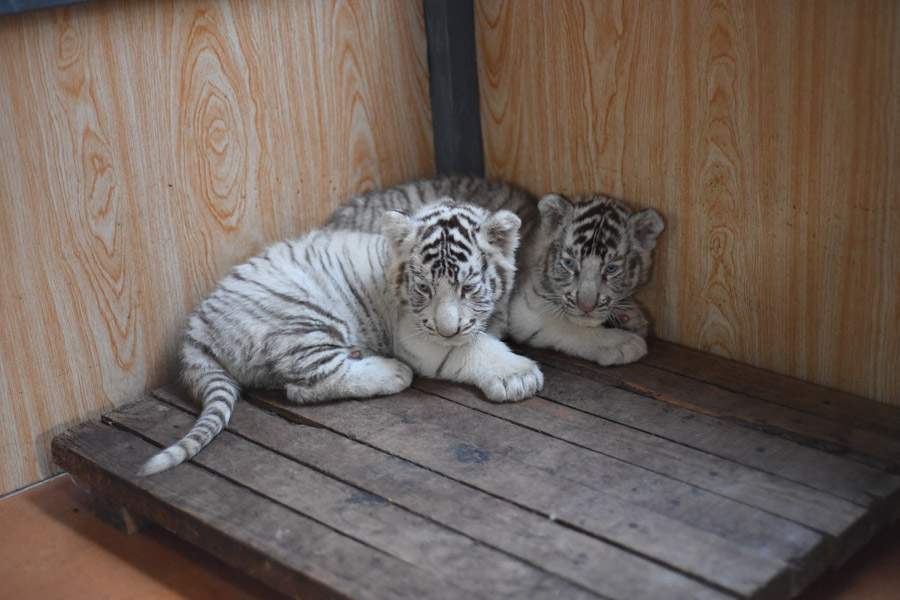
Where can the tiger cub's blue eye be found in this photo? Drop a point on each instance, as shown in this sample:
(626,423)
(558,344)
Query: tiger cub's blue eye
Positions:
(423,287)
(569,263)
(612,268)
(468,287)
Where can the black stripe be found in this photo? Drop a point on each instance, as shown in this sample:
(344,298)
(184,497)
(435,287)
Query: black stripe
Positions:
(444,362)
(200,346)
(198,435)
(314,378)
(217,387)
(217,413)
(598,208)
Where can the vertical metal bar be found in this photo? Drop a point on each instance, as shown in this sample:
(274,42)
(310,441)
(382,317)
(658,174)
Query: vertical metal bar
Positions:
(9,7)
(453,82)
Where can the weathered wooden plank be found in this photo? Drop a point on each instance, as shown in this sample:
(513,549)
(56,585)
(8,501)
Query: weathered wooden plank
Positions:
(500,459)
(115,515)
(292,554)
(576,556)
(808,397)
(846,479)
(535,455)
(847,526)
(475,570)
(866,447)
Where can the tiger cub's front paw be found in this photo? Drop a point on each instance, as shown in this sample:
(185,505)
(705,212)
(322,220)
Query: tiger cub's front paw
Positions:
(620,347)
(387,376)
(628,316)
(512,380)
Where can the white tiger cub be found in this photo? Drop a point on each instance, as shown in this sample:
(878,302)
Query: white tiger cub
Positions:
(340,314)
(582,260)
(579,270)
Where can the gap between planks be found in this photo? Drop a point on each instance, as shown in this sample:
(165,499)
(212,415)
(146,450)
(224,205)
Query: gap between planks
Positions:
(845,526)
(690,423)
(823,466)
(525,533)
(477,570)
(793,393)
(863,445)
(200,507)
(586,507)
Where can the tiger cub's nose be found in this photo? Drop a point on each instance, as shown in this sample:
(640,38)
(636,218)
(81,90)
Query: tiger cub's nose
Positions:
(585,307)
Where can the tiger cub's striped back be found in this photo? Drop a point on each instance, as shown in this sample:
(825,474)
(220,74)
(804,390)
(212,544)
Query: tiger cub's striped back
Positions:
(340,314)
(363,212)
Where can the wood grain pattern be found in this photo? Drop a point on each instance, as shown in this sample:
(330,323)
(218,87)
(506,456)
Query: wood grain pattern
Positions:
(490,520)
(823,468)
(628,490)
(824,514)
(303,560)
(536,472)
(768,135)
(151,145)
(473,568)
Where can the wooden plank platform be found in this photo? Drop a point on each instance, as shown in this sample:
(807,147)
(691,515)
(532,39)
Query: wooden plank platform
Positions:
(683,476)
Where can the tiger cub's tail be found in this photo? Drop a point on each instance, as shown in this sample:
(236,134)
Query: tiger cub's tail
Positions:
(217,392)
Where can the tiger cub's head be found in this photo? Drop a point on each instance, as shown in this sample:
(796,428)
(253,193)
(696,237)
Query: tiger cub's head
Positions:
(597,252)
(452,263)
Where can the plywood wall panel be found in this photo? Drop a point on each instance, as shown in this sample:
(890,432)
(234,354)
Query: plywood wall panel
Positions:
(146,148)
(768,135)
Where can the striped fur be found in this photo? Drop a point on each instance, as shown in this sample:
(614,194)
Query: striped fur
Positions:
(591,255)
(338,314)
(363,213)
(582,260)
(583,264)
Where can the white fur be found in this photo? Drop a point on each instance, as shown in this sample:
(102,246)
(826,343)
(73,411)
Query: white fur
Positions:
(368,376)
(327,316)
(485,362)
(605,346)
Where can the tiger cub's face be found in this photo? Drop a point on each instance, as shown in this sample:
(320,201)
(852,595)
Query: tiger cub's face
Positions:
(452,264)
(597,253)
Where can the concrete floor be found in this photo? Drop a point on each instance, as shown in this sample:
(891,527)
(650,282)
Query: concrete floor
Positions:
(51,546)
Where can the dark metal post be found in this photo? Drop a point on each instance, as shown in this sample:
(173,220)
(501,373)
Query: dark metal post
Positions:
(8,7)
(453,79)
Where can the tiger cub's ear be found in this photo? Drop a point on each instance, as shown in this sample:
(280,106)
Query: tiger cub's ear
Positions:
(398,227)
(554,209)
(501,231)
(644,227)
